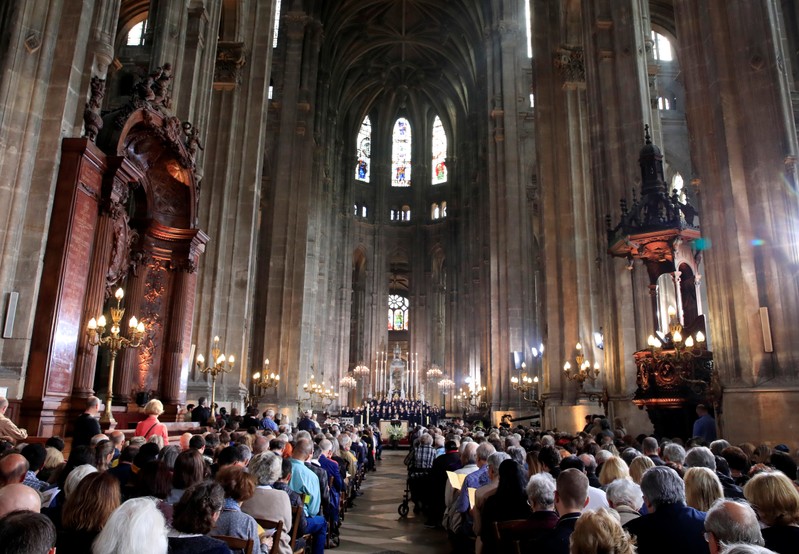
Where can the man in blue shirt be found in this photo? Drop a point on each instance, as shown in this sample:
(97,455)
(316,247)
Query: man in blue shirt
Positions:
(268,422)
(705,426)
(305,483)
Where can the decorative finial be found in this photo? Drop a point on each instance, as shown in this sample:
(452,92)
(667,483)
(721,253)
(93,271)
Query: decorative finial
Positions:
(647,138)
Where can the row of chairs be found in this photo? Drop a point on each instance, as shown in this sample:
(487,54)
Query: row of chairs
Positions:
(247,546)
(346,502)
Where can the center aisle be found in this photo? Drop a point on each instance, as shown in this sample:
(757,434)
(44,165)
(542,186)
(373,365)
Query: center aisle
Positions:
(374,525)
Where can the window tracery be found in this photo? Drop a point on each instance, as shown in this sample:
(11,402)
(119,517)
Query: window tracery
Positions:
(397,312)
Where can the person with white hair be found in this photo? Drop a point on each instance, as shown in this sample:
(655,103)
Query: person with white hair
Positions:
(743,548)
(624,496)
(9,431)
(267,502)
(76,476)
(268,422)
(129,525)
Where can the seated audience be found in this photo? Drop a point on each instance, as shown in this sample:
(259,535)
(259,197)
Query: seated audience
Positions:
(194,517)
(35,454)
(17,497)
(599,531)
(239,486)
(53,464)
(624,496)
(702,488)
(26,532)
(639,466)
(298,520)
(266,502)
(669,526)
(776,501)
(730,522)
(507,503)
(136,527)
(701,456)
(613,468)
(13,469)
(571,497)
(86,511)
(189,470)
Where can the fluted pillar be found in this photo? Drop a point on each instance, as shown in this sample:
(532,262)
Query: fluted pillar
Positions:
(125,382)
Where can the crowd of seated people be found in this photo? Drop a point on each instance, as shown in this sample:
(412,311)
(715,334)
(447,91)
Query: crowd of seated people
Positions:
(416,412)
(517,489)
(267,486)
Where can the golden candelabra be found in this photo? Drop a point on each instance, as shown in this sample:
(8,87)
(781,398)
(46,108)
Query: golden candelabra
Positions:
(677,349)
(114,342)
(318,391)
(525,384)
(219,366)
(266,379)
(583,371)
(470,396)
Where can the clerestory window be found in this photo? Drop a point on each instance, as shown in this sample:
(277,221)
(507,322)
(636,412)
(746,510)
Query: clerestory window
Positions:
(397,312)
(401,154)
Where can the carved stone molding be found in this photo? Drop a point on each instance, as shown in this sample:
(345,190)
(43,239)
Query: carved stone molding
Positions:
(570,66)
(230,58)
(187,265)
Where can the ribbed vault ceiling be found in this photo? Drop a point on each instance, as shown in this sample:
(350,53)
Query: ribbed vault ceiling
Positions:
(401,51)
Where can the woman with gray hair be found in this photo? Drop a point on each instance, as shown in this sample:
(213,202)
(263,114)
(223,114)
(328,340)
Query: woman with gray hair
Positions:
(624,496)
(267,502)
(541,499)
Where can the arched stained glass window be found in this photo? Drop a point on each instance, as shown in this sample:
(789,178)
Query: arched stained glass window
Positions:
(401,154)
(136,34)
(397,313)
(439,152)
(364,151)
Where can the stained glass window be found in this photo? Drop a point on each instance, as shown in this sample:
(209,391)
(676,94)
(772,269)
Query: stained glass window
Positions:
(397,313)
(401,154)
(364,151)
(277,24)
(439,152)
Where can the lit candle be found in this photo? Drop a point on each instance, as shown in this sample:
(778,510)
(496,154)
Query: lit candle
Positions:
(220,359)
(119,294)
(200,359)
(700,337)
(101,321)
(231,359)
(133,322)
(140,327)
(92,324)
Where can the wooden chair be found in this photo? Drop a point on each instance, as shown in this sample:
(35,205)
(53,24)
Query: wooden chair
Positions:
(278,527)
(236,543)
(295,515)
(515,531)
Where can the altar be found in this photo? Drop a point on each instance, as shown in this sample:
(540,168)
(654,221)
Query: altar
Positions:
(386,423)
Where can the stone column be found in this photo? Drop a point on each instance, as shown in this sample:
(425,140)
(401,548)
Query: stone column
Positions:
(182,287)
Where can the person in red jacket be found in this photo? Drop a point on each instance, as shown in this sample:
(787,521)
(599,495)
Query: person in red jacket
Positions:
(151,426)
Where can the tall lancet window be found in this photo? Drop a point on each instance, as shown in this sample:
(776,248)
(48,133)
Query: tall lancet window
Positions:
(401,154)
(439,152)
(364,151)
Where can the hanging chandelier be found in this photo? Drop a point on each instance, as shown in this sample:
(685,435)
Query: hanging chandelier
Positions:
(348,382)
(434,372)
(446,385)
(361,370)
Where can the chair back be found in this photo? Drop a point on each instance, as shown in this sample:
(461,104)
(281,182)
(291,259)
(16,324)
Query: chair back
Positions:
(295,517)
(516,531)
(235,543)
(278,527)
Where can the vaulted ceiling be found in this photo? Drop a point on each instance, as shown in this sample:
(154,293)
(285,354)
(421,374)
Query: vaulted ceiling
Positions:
(397,52)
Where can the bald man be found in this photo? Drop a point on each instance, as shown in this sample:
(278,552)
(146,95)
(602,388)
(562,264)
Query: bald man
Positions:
(19,497)
(13,468)
(184,440)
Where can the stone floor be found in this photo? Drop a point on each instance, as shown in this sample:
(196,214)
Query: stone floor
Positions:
(374,525)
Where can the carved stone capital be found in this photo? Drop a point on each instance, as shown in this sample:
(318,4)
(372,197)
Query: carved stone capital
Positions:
(187,265)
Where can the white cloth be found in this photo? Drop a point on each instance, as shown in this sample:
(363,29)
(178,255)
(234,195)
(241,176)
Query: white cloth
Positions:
(597,499)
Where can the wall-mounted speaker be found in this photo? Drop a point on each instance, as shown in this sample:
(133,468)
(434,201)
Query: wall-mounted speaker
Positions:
(765,325)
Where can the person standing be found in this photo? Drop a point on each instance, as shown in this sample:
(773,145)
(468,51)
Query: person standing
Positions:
(201,413)
(705,426)
(87,426)
(151,426)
